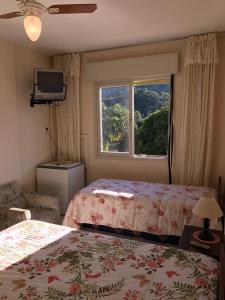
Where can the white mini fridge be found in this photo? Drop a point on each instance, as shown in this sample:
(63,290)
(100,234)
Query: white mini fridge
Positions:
(61,179)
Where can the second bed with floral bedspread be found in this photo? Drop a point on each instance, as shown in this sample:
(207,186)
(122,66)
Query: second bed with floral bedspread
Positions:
(46,261)
(155,208)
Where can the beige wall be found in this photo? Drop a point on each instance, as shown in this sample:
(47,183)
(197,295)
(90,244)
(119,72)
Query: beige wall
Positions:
(9,154)
(150,169)
(24,142)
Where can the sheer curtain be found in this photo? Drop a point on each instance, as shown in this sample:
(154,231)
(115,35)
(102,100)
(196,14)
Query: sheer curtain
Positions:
(197,135)
(68,113)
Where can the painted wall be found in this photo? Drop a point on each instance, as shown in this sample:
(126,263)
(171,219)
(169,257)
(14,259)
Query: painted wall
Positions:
(24,142)
(9,138)
(154,170)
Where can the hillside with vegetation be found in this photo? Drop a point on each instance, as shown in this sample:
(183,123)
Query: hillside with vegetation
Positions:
(151,105)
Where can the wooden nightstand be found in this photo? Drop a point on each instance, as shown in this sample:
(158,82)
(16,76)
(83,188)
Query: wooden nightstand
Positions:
(187,236)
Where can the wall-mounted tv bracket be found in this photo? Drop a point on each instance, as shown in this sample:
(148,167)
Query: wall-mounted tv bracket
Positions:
(34,101)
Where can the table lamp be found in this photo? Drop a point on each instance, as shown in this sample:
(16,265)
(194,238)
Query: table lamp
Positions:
(207,208)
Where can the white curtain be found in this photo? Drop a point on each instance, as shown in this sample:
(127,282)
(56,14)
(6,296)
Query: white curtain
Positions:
(198,114)
(68,112)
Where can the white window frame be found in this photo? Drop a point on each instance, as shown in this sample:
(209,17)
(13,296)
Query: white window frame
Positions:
(131,142)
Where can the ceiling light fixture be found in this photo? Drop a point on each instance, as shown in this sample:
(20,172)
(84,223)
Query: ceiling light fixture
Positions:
(33,26)
(32,10)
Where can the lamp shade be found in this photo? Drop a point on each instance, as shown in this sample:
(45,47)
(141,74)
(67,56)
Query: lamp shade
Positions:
(207,207)
(33,26)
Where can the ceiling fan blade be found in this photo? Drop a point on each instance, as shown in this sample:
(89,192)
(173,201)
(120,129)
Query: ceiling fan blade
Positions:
(72,9)
(11,15)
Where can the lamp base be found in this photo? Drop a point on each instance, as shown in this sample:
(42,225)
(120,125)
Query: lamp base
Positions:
(197,236)
(205,235)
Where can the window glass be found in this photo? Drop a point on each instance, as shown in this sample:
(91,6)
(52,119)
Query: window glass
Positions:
(151,114)
(114,119)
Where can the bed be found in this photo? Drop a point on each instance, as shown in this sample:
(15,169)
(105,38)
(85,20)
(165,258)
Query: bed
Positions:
(47,261)
(155,208)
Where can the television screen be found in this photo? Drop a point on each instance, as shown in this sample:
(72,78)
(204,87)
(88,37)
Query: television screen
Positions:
(50,82)
(49,85)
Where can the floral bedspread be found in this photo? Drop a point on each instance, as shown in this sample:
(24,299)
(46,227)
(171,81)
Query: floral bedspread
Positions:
(155,208)
(46,261)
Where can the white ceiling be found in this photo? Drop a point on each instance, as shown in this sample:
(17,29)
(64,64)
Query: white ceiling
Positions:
(117,23)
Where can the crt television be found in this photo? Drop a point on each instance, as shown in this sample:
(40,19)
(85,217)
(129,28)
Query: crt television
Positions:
(49,85)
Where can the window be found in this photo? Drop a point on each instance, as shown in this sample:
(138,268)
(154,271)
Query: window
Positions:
(134,118)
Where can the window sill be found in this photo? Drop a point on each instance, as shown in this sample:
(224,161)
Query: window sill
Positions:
(121,156)
(160,157)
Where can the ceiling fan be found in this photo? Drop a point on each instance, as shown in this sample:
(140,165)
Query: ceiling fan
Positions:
(32,10)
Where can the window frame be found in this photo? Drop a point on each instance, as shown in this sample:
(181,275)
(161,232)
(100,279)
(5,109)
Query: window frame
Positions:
(131,138)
